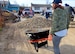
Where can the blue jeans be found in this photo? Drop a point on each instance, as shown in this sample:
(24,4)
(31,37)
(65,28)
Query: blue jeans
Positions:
(56,41)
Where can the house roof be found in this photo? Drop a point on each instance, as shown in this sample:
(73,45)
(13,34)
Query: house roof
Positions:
(4,2)
(13,5)
(41,5)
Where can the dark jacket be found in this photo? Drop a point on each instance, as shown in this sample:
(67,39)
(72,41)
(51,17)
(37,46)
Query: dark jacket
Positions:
(71,10)
(19,13)
(47,14)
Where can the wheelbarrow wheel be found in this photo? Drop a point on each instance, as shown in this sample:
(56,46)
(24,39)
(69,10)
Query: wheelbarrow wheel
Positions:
(37,50)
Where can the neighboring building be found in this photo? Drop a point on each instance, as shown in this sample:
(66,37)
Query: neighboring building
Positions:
(40,7)
(7,6)
(3,4)
(13,7)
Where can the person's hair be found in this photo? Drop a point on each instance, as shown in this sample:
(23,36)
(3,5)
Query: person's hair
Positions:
(57,6)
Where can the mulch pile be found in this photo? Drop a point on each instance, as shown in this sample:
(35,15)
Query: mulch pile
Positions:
(33,23)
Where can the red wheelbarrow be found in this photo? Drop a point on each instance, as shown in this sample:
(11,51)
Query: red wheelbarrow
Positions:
(39,38)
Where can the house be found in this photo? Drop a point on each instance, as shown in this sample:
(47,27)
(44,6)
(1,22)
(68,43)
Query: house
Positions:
(13,7)
(38,8)
(3,4)
(7,6)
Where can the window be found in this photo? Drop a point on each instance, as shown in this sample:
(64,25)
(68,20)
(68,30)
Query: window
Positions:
(48,8)
(37,8)
(3,5)
(27,9)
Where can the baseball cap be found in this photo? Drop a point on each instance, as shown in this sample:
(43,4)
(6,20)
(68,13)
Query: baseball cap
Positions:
(57,1)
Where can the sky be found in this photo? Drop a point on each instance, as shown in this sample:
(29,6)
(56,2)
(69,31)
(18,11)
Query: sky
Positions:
(28,2)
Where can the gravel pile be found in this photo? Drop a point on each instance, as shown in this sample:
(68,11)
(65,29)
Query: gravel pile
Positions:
(34,23)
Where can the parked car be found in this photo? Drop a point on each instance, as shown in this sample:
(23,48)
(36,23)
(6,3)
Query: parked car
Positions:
(28,13)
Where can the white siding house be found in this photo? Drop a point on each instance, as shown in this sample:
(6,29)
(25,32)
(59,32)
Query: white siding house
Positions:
(40,7)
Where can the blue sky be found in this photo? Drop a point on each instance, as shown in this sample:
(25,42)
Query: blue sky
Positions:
(28,2)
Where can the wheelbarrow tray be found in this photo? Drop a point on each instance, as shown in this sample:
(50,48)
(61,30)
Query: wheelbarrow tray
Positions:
(38,34)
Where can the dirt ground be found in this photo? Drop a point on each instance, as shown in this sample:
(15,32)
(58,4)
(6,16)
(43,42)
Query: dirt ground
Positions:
(14,41)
